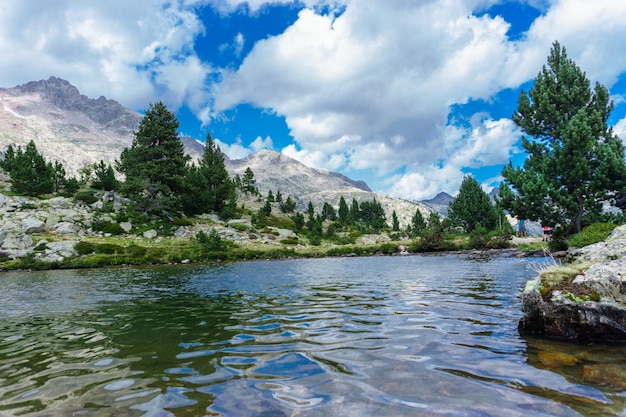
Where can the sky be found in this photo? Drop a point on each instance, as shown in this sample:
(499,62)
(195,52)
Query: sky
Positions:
(407,95)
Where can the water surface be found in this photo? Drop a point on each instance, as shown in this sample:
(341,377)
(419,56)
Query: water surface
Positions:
(382,336)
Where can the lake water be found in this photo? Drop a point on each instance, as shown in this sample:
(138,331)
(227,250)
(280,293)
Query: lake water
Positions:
(432,335)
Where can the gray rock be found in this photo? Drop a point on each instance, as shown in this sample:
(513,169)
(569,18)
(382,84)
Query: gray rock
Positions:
(126,226)
(66,228)
(150,234)
(52,220)
(564,316)
(64,248)
(33,225)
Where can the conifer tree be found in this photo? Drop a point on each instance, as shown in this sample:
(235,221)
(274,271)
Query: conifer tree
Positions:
(30,173)
(575,161)
(155,164)
(343,211)
(471,207)
(208,187)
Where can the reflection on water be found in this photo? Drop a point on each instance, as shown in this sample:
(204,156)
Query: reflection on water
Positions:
(388,336)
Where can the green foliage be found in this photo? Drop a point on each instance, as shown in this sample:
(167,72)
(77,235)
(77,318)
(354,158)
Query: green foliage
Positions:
(182,221)
(395,224)
(211,241)
(7,162)
(288,206)
(558,242)
(343,212)
(87,197)
(418,224)
(575,161)
(208,187)
(298,222)
(113,228)
(472,207)
(30,173)
(594,233)
(248,182)
(84,247)
(108,248)
(104,177)
(71,186)
(478,238)
(155,164)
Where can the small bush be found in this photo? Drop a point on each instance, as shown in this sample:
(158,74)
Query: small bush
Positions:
(591,234)
(290,240)
(86,197)
(212,241)
(84,248)
(182,221)
(113,228)
(108,248)
(388,248)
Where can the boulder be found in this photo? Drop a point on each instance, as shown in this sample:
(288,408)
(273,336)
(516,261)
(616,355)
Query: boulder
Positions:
(66,228)
(32,225)
(150,234)
(126,226)
(566,315)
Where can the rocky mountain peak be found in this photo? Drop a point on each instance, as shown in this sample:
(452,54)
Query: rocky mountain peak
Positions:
(66,96)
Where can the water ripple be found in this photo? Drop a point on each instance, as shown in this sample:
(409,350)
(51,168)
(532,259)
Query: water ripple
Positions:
(423,335)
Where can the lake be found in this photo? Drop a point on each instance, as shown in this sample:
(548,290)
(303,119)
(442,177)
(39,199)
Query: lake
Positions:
(424,335)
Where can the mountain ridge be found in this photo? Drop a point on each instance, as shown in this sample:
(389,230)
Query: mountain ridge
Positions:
(77,131)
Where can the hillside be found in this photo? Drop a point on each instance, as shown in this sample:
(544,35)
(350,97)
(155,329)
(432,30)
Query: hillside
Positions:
(77,130)
(67,126)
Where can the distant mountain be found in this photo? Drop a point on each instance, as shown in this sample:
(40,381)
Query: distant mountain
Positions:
(440,203)
(69,127)
(77,130)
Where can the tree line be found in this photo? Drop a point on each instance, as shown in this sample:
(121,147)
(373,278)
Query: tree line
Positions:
(574,164)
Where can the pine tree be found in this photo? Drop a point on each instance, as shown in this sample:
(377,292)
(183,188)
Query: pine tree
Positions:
(343,211)
(418,224)
(104,176)
(471,207)
(30,173)
(575,162)
(208,187)
(155,164)
(395,224)
(248,182)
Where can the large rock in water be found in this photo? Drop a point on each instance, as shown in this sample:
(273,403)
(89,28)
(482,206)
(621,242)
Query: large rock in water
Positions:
(566,318)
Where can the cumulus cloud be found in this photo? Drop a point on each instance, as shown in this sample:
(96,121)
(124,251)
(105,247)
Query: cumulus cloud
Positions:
(372,88)
(136,56)
(237,150)
(362,85)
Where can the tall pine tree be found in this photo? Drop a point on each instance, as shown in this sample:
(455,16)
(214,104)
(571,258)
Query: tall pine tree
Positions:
(575,161)
(30,173)
(471,207)
(155,164)
(208,187)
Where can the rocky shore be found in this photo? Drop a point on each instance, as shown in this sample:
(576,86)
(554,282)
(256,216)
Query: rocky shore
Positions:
(589,306)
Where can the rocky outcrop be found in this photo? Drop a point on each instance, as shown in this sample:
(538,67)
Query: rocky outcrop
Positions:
(566,314)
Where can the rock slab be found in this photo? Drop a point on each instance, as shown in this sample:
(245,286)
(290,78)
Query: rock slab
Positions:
(564,318)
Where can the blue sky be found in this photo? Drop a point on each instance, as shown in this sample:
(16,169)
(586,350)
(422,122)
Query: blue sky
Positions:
(408,95)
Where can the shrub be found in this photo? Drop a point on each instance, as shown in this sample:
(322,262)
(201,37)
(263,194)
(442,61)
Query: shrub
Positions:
(108,248)
(84,248)
(86,197)
(113,228)
(212,241)
(388,248)
(591,234)
(182,221)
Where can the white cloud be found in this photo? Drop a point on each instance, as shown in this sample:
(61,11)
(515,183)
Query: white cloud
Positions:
(238,151)
(136,56)
(620,129)
(384,75)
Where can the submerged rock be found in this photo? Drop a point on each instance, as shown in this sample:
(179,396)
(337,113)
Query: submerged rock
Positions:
(566,315)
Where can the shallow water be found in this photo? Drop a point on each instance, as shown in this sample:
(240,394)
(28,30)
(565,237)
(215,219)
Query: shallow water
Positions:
(382,336)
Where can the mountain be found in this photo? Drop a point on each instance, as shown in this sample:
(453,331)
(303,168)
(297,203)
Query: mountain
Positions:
(275,171)
(440,203)
(67,126)
(77,131)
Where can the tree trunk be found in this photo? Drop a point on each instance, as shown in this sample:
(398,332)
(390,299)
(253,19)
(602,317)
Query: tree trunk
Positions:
(577,220)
